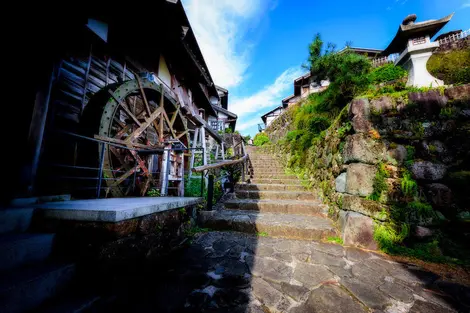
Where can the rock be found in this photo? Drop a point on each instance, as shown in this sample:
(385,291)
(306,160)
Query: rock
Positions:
(359,231)
(397,292)
(342,219)
(382,104)
(437,149)
(399,154)
(430,102)
(423,232)
(464,216)
(365,207)
(440,195)
(266,293)
(330,298)
(361,148)
(298,293)
(359,111)
(459,93)
(360,179)
(340,183)
(426,170)
(427,307)
(311,275)
(366,293)
(270,269)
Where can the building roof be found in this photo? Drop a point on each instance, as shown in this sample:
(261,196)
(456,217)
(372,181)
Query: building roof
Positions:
(227,112)
(264,117)
(410,29)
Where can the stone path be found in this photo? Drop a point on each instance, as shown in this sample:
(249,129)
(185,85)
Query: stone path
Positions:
(269,257)
(243,273)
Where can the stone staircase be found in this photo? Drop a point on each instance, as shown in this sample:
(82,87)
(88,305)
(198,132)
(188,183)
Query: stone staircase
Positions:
(29,274)
(272,203)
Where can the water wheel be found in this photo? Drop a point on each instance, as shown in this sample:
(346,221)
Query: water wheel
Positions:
(135,114)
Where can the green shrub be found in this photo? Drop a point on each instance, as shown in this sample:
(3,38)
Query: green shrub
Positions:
(409,187)
(452,67)
(386,73)
(261,139)
(380,184)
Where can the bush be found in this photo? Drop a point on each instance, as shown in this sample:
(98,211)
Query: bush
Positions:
(386,73)
(261,139)
(452,67)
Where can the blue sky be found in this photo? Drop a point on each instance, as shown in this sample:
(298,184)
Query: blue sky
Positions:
(255,48)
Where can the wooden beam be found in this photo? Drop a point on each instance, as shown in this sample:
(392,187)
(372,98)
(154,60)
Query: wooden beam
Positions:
(122,142)
(144,126)
(173,118)
(124,107)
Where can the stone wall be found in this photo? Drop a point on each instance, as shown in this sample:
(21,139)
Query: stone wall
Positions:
(425,135)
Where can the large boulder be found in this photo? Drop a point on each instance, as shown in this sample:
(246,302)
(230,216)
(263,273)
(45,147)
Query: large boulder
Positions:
(358,231)
(440,195)
(361,148)
(365,207)
(360,179)
(399,154)
(359,112)
(340,183)
(382,104)
(430,102)
(425,170)
(459,93)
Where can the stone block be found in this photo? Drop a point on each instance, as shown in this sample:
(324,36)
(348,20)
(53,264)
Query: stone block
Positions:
(440,195)
(382,104)
(422,232)
(361,148)
(359,112)
(364,206)
(340,183)
(425,170)
(430,102)
(360,179)
(399,154)
(359,231)
(459,93)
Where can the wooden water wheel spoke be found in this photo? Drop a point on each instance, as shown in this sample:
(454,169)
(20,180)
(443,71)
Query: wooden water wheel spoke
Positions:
(144,126)
(123,131)
(122,178)
(124,107)
(173,118)
(182,134)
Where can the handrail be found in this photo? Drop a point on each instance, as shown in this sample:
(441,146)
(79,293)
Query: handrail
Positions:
(218,165)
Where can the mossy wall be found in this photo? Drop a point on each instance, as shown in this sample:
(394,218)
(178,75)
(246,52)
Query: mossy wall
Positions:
(403,162)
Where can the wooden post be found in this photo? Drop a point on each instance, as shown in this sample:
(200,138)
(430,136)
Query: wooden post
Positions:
(164,171)
(223,152)
(181,184)
(210,192)
(191,163)
(216,152)
(204,152)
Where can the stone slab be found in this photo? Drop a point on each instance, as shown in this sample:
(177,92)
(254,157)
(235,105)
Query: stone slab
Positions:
(112,210)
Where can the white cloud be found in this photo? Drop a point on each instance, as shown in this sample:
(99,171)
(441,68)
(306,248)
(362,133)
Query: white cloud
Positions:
(219,26)
(267,98)
(466,4)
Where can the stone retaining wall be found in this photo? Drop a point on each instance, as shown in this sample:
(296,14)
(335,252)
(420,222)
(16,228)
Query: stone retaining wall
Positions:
(425,134)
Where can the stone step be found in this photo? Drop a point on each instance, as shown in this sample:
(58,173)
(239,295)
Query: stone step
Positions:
(269,172)
(279,187)
(268,168)
(275,176)
(77,301)
(26,288)
(274,225)
(20,249)
(15,219)
(278,206)
(275,195)
(276,181)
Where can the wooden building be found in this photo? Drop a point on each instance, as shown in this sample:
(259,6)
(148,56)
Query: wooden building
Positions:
(80,63)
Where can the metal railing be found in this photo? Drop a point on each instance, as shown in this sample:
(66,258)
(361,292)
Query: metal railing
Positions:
(80,176)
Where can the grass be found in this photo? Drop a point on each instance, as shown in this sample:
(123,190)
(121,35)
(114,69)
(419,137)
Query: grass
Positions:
(196,230)
(335,239)
(262,234)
